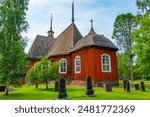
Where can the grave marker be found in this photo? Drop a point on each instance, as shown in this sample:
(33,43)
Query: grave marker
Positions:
(56,86)
(136,87)
(142,86)
(107,87)
(89,87)
(127,86)
(62,89)
(2,88)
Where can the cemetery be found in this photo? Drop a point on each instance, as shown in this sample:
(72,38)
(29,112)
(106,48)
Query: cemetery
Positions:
(60,91)
(73,66)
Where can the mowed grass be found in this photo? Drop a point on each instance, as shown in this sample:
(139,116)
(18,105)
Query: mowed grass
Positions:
(28,92)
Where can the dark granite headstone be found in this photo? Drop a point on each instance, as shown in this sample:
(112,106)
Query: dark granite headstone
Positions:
(89,87)
(124,83)
(2,88)
(107,87)
(142,86)
(62,89)
(136,87)
(36,85)
(56,86)
(127,86)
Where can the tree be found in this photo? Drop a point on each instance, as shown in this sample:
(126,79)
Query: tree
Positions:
(123,27)
(143,5)
(32,76)
(12,24)
(141,37)
(123,65)
(43,71)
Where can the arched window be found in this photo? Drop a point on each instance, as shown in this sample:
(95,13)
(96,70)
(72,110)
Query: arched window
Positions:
(63,66)
(106,63)
(77,64)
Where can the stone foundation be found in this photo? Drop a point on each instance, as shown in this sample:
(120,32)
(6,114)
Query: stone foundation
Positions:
(80,83)
(95,83)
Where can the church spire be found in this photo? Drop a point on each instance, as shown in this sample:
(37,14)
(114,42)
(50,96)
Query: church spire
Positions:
(73,11)
(51,32)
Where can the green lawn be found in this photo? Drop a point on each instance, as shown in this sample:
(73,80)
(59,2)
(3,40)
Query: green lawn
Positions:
(27,92)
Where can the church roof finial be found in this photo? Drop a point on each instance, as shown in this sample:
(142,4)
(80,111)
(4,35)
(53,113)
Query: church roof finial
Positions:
(91,23)
(92,29)
(73,11)
(51,23)
(51,32)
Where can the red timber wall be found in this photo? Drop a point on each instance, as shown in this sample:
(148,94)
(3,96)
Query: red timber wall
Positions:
(32,62)
(91,64)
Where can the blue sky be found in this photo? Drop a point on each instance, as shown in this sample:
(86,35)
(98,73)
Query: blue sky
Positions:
(103,12)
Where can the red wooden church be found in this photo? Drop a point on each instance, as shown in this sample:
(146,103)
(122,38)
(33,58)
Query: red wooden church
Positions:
(93,54)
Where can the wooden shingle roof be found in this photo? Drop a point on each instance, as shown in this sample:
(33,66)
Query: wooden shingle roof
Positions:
(40,47)
(93,39)
(66,41)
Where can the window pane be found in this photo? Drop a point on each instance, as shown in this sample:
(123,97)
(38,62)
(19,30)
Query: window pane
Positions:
(77,68)
(63,66)
(106,63)
(77,64)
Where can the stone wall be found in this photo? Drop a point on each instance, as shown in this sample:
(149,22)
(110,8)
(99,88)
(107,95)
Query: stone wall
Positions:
(95,83)
(80,83)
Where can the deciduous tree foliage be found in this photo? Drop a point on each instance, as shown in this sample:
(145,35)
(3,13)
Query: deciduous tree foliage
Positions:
(12,44)
(43,71)
(123,27)
(123,65)
(141,37)
(143,5)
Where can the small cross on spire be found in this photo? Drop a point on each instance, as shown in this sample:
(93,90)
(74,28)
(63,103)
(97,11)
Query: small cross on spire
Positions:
(91,30)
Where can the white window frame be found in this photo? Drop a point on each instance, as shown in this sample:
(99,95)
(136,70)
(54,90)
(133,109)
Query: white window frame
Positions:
(109,63)
(75,61)
(64,67)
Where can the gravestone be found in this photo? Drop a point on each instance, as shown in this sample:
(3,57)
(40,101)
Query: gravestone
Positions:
(142,86)
(62,89)
(2,88)
(107,87)
(10,89)
(89,87)
(124,83)
(56,86)
(136,87)
(127,86)
(36,84)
